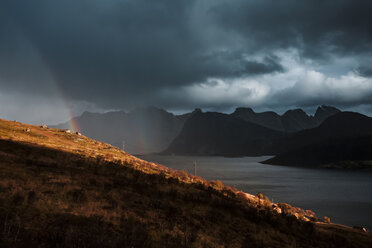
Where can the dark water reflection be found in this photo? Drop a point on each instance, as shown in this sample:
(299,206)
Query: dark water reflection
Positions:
(344,196)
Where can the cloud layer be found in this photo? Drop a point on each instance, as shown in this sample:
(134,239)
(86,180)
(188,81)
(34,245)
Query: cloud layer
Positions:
(297,86)
(188,53)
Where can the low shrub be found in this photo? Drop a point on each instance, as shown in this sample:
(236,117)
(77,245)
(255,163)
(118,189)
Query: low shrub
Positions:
(77,196)
(18,199)
(31,197)
(218,185)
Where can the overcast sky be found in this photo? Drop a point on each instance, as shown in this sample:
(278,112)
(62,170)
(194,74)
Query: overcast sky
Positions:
(58,57)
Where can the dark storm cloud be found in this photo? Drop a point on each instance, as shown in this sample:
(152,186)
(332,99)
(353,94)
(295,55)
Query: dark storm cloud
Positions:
(116,49)
(269,65)
(317,27)
(365,71)
(117,53)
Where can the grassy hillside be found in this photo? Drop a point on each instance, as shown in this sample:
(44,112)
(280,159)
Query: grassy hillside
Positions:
(60,189)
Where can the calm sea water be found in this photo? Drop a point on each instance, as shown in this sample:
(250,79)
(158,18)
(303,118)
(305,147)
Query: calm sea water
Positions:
(344,196)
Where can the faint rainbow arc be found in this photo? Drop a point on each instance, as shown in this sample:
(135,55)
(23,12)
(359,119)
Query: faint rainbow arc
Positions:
(72,122)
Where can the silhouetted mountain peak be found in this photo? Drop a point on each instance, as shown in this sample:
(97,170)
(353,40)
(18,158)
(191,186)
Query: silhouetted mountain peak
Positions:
(214,133)
(323,108)
(295,113)
(243,110)
(196,111)
(323,112)
(291,121)
(296,119)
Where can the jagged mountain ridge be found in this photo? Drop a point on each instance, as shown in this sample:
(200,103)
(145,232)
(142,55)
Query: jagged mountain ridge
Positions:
(151,130)
(242,133)
(291,121)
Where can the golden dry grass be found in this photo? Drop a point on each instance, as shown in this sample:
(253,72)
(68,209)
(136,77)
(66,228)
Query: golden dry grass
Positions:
(66,190)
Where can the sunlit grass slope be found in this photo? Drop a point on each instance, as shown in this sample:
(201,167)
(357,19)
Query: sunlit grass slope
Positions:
(60,189)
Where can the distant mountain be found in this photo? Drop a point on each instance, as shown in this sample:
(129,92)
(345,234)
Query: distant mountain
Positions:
(214,133)
(344,139)
(244,132)
(143,130)
(323,112)
(152,130)
(291,121)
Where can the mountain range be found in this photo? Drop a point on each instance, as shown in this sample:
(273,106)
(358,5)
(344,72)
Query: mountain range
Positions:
(291,121)
(244,132)
(295,138)
(152,130)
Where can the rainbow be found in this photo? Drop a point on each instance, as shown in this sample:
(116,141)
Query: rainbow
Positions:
(72,123)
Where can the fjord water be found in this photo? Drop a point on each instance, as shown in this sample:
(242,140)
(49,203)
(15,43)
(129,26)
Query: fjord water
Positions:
(344,196)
